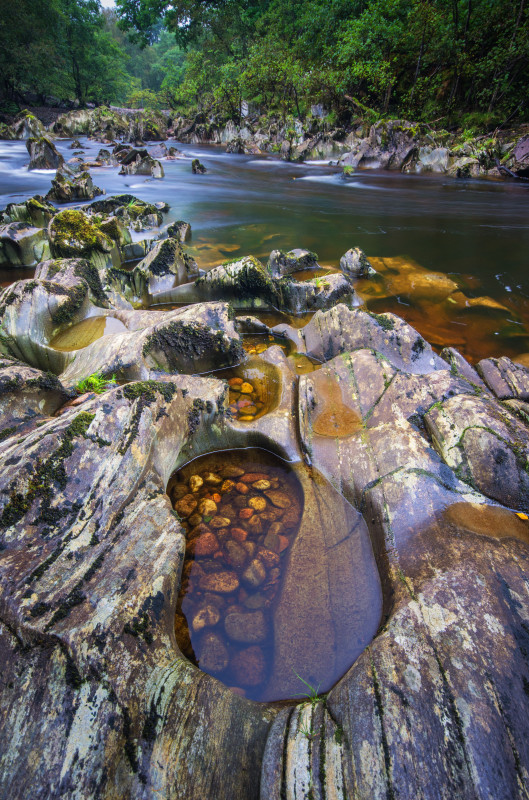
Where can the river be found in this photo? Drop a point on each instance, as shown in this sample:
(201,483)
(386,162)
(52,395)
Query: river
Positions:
(476,232)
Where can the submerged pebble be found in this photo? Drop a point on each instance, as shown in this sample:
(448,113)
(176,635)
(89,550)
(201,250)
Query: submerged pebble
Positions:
(240,521)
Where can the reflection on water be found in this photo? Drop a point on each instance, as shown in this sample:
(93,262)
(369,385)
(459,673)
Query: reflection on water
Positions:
(85,332)
(488,520)
(9,276)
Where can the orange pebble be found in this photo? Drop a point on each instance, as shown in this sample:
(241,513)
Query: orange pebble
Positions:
(242,488)
(218,554)
(283,543)
(216,497)
(235,382)
(246,513)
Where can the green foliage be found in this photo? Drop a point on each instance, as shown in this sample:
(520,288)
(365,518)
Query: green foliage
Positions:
(95,383)
(423,59)
(60,48)
(311,692)
(464,62)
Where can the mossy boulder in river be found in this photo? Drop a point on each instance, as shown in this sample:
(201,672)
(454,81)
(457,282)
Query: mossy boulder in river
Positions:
(73,235)
(66,188)
(43,154)
(281,263)
(37,211)
(22,245)
(142,165)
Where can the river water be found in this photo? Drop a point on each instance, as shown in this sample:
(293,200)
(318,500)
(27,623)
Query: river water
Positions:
(475,232)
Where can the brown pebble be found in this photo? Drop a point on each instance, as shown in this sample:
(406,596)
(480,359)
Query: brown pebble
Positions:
(236,555)
(248,627)
(268,558)
(230,471)
(219,522)
(255,573)
(206,617)
(271,542)
(248,666)
(235,382)
(251,477)
(198,530)
(246,513)
(204,545)
(177,491)
(212,478)
(195,483)
(186,506)
(279,499)
(207,507)
(242,488)
(195,519)
(223,582)
(213,655)
(255,525)
(250,548)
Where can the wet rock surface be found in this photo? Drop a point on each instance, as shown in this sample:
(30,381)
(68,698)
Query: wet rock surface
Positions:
(409,490)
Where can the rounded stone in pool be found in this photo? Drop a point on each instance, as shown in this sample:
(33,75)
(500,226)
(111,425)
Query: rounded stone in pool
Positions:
(279,581)
(83,333)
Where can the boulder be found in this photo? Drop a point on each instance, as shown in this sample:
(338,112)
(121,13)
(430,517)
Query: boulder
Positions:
(22,245)
(197,167)
(141,165)
(43,154)
(281,264)
(354,263)
(73,235)
(391,144)
(180,230)
(66,189)
(36,211)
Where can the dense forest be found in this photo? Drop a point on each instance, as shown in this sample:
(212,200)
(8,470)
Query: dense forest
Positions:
(424,59)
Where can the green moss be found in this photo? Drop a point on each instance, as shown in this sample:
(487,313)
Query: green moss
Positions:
(7,432)
(68,309)
(143,393)
(385,323)
(73,234)
(47,475)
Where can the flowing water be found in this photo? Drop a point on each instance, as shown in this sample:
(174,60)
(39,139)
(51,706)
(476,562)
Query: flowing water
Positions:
(474,232)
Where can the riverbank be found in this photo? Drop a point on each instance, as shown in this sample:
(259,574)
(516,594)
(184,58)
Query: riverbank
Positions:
(397,145)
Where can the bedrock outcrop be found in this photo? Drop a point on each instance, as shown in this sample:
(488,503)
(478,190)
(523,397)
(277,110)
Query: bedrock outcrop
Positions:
(96,699)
